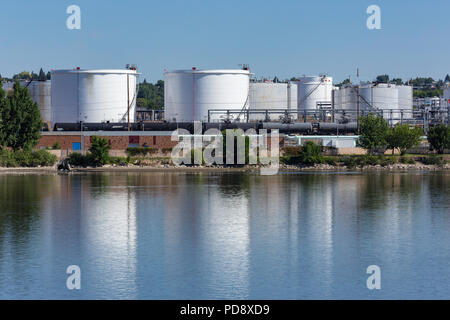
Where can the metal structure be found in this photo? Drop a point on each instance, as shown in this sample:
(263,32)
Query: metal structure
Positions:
(271,96)
(313,91)
(189,94)
(93,95)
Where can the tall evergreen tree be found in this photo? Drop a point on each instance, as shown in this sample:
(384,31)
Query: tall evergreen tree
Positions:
(42,76)
(21,120)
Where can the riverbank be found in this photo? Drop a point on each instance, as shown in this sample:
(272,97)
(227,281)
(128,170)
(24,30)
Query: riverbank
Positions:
(282,168)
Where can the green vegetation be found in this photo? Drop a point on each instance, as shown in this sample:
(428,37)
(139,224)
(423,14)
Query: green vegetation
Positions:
(402,137)
(376,136)
(99,151)
(136,151)
(309,154)
(26,158)
(20,120)
(151,96)
(439,138)
(373,133)
(433,160)
(97,156)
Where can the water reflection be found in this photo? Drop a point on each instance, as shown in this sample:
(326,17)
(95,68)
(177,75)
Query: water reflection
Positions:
(224,235)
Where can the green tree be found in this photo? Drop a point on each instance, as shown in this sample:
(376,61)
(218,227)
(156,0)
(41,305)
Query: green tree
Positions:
(373,133)
(439,138)
(21,120)
(2,106)
(99,150)
(402,137)
(383,78)
(42,76)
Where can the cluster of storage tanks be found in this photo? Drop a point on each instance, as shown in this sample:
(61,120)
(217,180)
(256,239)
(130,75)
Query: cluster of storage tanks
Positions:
(207,95)
(109,96)
(94,96)
(394,101)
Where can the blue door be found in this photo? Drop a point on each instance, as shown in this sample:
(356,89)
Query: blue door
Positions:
(76,146)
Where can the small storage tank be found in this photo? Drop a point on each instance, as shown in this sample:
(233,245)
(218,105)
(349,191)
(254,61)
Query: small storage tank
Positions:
(271,96)
(313,91)
(189,94)
(40,92)
(93,96)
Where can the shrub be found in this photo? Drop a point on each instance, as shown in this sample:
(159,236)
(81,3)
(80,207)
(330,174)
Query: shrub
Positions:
(311,153)
(166,150)
(330,161)
(387,161)
(291,160)
(349,162)
(407,160)
(25,158)
(78,160)
(99,151)
(136,151)
(292,151)
(56,146)
(433,160)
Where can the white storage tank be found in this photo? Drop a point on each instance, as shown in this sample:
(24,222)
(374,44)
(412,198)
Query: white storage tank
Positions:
(271,96)
(189,94)
(40,92)
(313,91)
(345,98)
(93,96)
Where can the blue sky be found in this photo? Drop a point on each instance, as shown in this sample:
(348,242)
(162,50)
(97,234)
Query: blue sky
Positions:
(276,38)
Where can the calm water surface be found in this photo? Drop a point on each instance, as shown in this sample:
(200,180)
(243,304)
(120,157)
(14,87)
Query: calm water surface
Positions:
(225,235)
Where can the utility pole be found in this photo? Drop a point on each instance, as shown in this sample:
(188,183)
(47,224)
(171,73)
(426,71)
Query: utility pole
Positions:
(128,100)
(358,105)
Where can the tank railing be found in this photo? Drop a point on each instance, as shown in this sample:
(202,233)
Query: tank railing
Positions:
(392,116)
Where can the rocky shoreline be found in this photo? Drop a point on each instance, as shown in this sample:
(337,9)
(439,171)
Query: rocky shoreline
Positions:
(182,168)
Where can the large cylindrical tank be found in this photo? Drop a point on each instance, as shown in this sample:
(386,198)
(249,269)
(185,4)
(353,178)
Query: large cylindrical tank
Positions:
(381,96)
(189,94)
(271,96)
(345,98)
(93,95)
(40,92)
(312,91)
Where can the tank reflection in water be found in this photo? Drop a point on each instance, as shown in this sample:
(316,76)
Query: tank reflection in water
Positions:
(225,235)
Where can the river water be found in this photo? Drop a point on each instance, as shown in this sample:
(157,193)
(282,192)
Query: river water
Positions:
(205,235)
